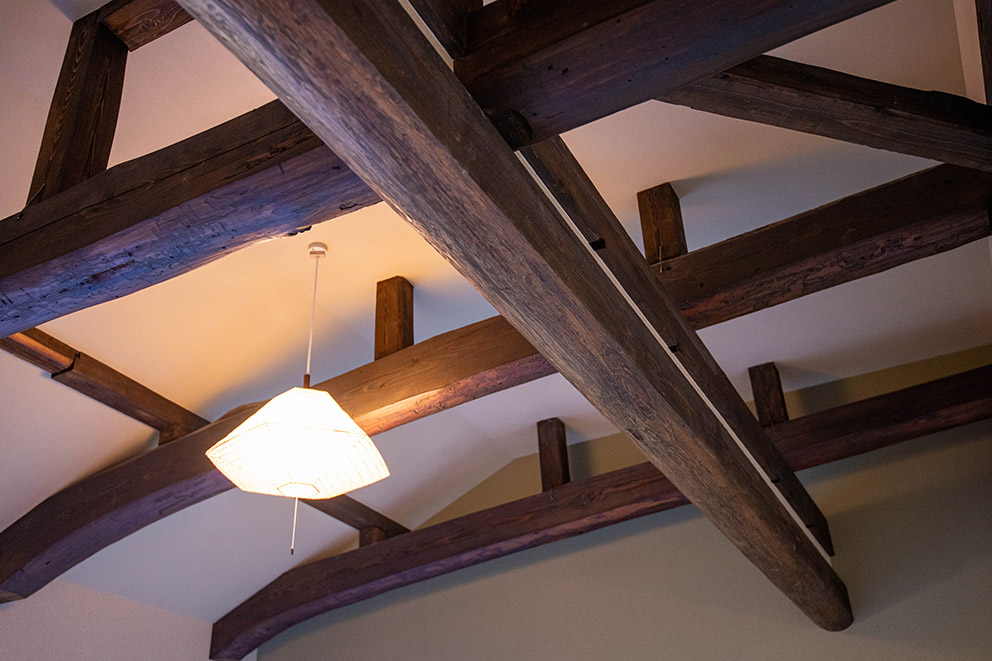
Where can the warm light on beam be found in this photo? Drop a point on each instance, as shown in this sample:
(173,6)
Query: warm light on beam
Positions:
(301,444)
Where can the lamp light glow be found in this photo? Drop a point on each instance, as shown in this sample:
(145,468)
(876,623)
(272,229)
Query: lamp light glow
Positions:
(301,444)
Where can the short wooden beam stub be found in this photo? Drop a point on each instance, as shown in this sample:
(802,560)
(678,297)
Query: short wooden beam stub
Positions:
(393,316)
(553,453)
(661,223)
(769,400)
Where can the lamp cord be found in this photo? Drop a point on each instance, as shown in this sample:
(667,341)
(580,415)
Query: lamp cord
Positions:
(292,542)
(313,314)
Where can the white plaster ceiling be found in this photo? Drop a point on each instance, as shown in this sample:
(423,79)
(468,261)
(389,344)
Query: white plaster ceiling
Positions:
(235,330)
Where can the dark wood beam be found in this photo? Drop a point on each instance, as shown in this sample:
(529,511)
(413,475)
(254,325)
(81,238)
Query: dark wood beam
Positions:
(102,383)
(448,20)
(93,513)
(81,121)
(371,535)
(393,316)
(259,176)
(984,8)
(562,175)
(769,400)
(139,22)
(801,97)
(552,452)
(344,69)
(553,66)
(357,515)
(581,507)
(920,215)
(661,223)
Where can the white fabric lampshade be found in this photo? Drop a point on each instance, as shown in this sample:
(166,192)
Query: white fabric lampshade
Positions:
(301,444)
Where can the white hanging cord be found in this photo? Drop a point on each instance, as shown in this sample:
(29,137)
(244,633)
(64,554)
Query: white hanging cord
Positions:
(292,542)
(316,250)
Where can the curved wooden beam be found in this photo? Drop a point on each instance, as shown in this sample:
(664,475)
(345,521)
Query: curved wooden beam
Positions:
(580,507)
(410,384)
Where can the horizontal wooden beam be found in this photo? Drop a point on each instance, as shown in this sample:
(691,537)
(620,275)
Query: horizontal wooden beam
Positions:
(553,66)
(259,176)
(580,507)
(801,97)
(920,215)
(93,513)
(139,22)
(102,383)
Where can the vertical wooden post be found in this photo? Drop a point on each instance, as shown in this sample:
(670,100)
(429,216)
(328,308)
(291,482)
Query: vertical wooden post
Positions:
(769,400)
(393,316)
(553,452)
(661,223)
(81,122)
(984,8)
(370,535)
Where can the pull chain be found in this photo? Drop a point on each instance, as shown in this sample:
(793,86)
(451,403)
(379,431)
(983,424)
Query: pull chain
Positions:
(292,543)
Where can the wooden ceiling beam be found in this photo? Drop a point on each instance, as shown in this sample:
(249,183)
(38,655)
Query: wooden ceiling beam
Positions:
(552,66)
(801,97)
(448,21)
(923,214)
(393,316)
(581,507)
(564,178)
(344,69)
(95,512)
(552,452)
(769,400)
(139,22)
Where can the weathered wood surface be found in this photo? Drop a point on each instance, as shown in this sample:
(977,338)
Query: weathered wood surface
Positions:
(448,21)
(393,316)
(769,400)
(420,141)
(770,90)
(79,131)
(169,212)
(559,65)
(562,175)
(552,452)
(914,217)
(661,223)
(581,507)
(102,383)
(139,22)
(95,512)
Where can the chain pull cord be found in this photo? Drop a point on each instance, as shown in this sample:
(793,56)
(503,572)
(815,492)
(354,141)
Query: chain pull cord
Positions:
(313,314)
(292,542)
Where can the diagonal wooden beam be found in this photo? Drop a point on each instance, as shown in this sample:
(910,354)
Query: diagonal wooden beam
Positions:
(93,513)
(102,383)
(344,69)
(923,214)
(139,22)
(581,507)
(801,97)
(448,21)
(519,65)
(259,176)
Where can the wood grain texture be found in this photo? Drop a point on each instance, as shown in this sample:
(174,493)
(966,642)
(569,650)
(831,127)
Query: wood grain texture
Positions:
(552,451)
(344,69)
(448,20)
(560,65)
(920,215)
(393,316)
(581,507)
(661,223)
(770,90)
(984,8)
(102,383)
(562,175)
(260,176)
(82,119)
(139,22)
(95,512)
(769,400)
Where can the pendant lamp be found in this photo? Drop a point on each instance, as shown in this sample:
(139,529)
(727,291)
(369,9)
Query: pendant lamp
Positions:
(301,444)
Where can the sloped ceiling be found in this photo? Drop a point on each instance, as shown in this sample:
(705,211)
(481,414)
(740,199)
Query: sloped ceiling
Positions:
(235,330)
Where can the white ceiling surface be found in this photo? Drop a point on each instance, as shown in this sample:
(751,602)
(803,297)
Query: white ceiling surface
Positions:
(235,331)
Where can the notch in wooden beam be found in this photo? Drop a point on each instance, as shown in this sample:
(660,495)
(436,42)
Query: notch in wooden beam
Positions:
(553,453)
(393,316)
(661,223)
(83,117)
(769,400)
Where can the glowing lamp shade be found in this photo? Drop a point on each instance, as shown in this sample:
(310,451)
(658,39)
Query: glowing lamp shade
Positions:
(302,445)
